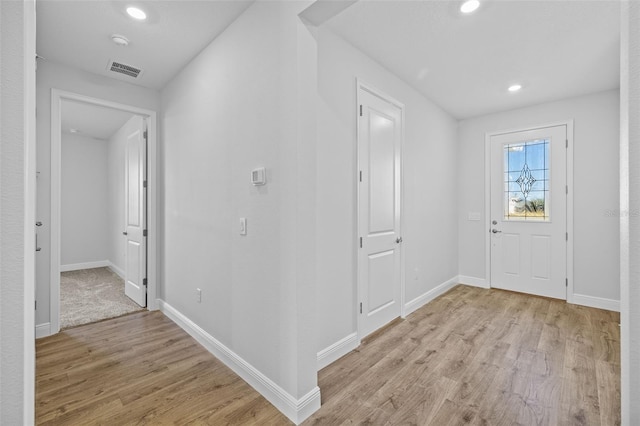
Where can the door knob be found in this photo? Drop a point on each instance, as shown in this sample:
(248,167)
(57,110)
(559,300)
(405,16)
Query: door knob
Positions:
(398,240)
(125,233)
(38,223)
(495,231)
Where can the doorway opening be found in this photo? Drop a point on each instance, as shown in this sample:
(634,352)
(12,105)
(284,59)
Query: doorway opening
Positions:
(529,205)
(103,207)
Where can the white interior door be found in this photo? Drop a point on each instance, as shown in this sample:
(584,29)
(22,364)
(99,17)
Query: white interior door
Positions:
(529,211)
(379,200)
(135,215)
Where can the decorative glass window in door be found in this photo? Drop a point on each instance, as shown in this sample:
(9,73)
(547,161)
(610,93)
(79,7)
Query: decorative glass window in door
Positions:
(526,181)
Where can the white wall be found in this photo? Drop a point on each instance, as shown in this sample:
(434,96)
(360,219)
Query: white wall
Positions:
(83,200)
(596,197)
(630,204)
(116,158)
(238,105)
(17,211)
(51,75)
(430,185)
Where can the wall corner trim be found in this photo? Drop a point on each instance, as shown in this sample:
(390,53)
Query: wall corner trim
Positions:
(296,410)
(337,350)
(427,297)
(43,330)
(595,302)
(473,281)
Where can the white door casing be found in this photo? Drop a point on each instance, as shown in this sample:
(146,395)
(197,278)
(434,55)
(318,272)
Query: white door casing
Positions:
(135,216)
(380,134)
(528,227)
(57,97)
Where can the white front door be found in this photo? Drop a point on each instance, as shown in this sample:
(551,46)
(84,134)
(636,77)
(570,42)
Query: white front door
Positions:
(380,134)
(135,215)
(529,211)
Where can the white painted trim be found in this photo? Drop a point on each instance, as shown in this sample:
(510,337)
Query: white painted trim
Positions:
(427,297)
(473,281)
(487,209)
(86,265)
(628,197)
(30,168)
(117,270)
(57,96)
(296,410)
(569,207)
(596,302)
(56,158)
(43,330)
(366,87)
(337,350)
(356,310)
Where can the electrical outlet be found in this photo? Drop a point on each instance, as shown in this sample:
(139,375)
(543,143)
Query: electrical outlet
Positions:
(198,295)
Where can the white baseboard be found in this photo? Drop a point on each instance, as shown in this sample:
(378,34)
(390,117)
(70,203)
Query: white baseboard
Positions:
(116,270)
(86,265)
(427,297)
(596,302)
(296,410)
(473,281)
(337,350)
(43,330)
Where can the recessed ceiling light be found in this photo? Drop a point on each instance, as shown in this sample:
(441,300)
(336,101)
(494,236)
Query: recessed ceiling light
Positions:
(136,13)
(469,6)
(515,87)
(120,40)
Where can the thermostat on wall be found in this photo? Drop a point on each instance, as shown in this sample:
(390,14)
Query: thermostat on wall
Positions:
(258,176)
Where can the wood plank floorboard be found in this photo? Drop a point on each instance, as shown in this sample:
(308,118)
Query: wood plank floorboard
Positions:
(485,357)
(471,356)
(140,369)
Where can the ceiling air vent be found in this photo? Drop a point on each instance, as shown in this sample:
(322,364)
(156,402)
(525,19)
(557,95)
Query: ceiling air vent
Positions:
(125,69)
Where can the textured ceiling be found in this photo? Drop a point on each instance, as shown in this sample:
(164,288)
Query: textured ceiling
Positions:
(78,34)
(555,49)
(91,120)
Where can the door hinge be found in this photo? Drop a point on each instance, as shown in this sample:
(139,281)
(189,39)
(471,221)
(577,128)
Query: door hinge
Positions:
(144,233)
(567,189)
(360,175)
(145,134)
(144,282)
(360,307)
(36,305)
(360,110)
(566,236)
(567,143)
(360,242)
(566,282)
(144,184)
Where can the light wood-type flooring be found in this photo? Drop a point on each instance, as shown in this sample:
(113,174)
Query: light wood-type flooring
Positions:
(472,356)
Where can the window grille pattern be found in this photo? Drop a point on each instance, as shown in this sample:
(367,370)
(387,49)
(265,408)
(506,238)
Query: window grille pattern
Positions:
(526,183)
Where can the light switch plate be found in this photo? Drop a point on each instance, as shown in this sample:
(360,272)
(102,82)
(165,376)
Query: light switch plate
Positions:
(243,226)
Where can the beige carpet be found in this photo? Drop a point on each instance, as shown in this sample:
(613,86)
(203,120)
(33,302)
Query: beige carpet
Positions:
(91,295)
